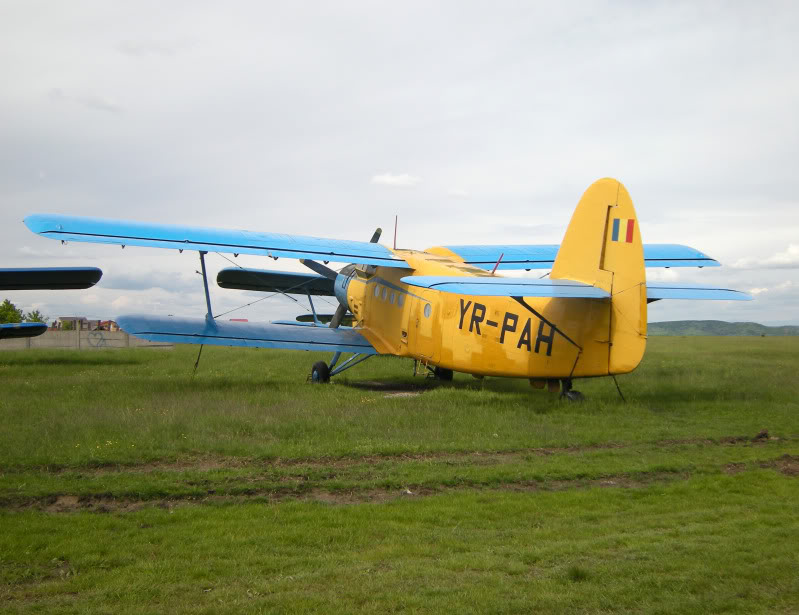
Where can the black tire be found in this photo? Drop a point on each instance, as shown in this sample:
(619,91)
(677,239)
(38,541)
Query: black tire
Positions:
(443,373)
(573,396)
(320,372)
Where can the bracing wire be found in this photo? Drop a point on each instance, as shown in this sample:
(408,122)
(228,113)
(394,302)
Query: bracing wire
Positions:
(280,292)
(618,389)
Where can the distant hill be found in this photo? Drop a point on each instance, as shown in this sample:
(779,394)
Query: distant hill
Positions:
(716,327)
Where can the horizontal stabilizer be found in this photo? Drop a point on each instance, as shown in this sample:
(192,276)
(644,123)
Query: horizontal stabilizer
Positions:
(49,278)
(507,287)
(245,334)
(274,281)
(22,329)
(127,233)
(543,256)
(657,291)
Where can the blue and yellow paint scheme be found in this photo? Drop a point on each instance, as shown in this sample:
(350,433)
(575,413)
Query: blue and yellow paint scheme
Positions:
(444,306)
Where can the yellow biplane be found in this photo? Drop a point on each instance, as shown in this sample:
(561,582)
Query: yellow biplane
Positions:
(445,307)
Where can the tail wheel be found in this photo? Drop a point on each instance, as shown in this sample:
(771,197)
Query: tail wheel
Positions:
(320,372)
(570,394)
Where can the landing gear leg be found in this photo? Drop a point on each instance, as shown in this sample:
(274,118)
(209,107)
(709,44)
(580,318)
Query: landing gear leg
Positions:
(569,393)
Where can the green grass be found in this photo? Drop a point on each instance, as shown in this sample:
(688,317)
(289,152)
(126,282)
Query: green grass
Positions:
(129,486)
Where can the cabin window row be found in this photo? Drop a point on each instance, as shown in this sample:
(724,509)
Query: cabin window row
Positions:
(384,293)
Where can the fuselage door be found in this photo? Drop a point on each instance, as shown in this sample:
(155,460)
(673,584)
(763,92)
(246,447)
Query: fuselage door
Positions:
(425,324)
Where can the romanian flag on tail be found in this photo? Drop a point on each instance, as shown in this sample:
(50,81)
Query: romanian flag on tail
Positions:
(623,229)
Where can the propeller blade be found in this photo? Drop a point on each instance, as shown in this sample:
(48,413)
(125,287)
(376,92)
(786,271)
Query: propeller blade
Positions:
(320,269)
(341,311)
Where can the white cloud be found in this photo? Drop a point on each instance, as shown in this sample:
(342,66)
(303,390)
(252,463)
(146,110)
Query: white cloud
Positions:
(458,193)
(401,180)
(782,287)
(147,47)
(121,302)
(32,253)
(788,259)
(40,253)
(101,103)
(92,101)
(143,280)
(661,274)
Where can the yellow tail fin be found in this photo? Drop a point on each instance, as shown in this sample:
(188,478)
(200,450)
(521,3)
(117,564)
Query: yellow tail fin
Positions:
(602,247)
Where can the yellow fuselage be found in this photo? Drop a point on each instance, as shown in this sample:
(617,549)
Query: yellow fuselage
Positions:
(479,335)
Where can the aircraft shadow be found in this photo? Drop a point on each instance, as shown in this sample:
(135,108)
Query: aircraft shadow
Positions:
(420,385)
(70,360)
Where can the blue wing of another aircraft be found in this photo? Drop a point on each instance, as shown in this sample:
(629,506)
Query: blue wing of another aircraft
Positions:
(49,278)
(659,290)
(246,334)
(543,256)
(22,329)
(506,287)
(127,233)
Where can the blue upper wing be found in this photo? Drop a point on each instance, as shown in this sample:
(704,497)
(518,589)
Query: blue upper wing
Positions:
(251,335)
(543,256)
(659,290)
(507,287)
(121,232)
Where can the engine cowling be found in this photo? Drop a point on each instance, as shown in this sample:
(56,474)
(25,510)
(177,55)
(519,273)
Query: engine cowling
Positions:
(342,283)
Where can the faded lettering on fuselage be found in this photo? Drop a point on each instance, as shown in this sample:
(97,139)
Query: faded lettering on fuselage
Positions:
(509,331)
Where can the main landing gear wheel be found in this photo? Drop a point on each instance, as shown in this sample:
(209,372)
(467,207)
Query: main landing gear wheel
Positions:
(443,373)
(569,394)
(320,372)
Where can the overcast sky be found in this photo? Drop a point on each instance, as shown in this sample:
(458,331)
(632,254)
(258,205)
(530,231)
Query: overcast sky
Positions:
(475,122)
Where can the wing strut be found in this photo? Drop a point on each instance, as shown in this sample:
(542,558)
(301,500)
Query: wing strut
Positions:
(313,310)
(210,315)
(521,301)
(351,362)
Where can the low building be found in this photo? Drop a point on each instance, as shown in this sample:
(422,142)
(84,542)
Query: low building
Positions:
(71,323)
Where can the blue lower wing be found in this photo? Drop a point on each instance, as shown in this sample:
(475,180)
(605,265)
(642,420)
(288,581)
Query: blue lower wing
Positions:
(244,334)
(657,291)
(507,287)
(490,286)
(22,329)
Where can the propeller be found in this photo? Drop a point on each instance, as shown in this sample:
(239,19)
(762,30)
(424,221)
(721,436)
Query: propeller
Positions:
(341,310)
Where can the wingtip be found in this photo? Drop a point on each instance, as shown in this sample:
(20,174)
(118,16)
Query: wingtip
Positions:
(31,221)
(37,223)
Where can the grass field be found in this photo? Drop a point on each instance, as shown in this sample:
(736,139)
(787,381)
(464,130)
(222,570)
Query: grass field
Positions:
(129,486)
